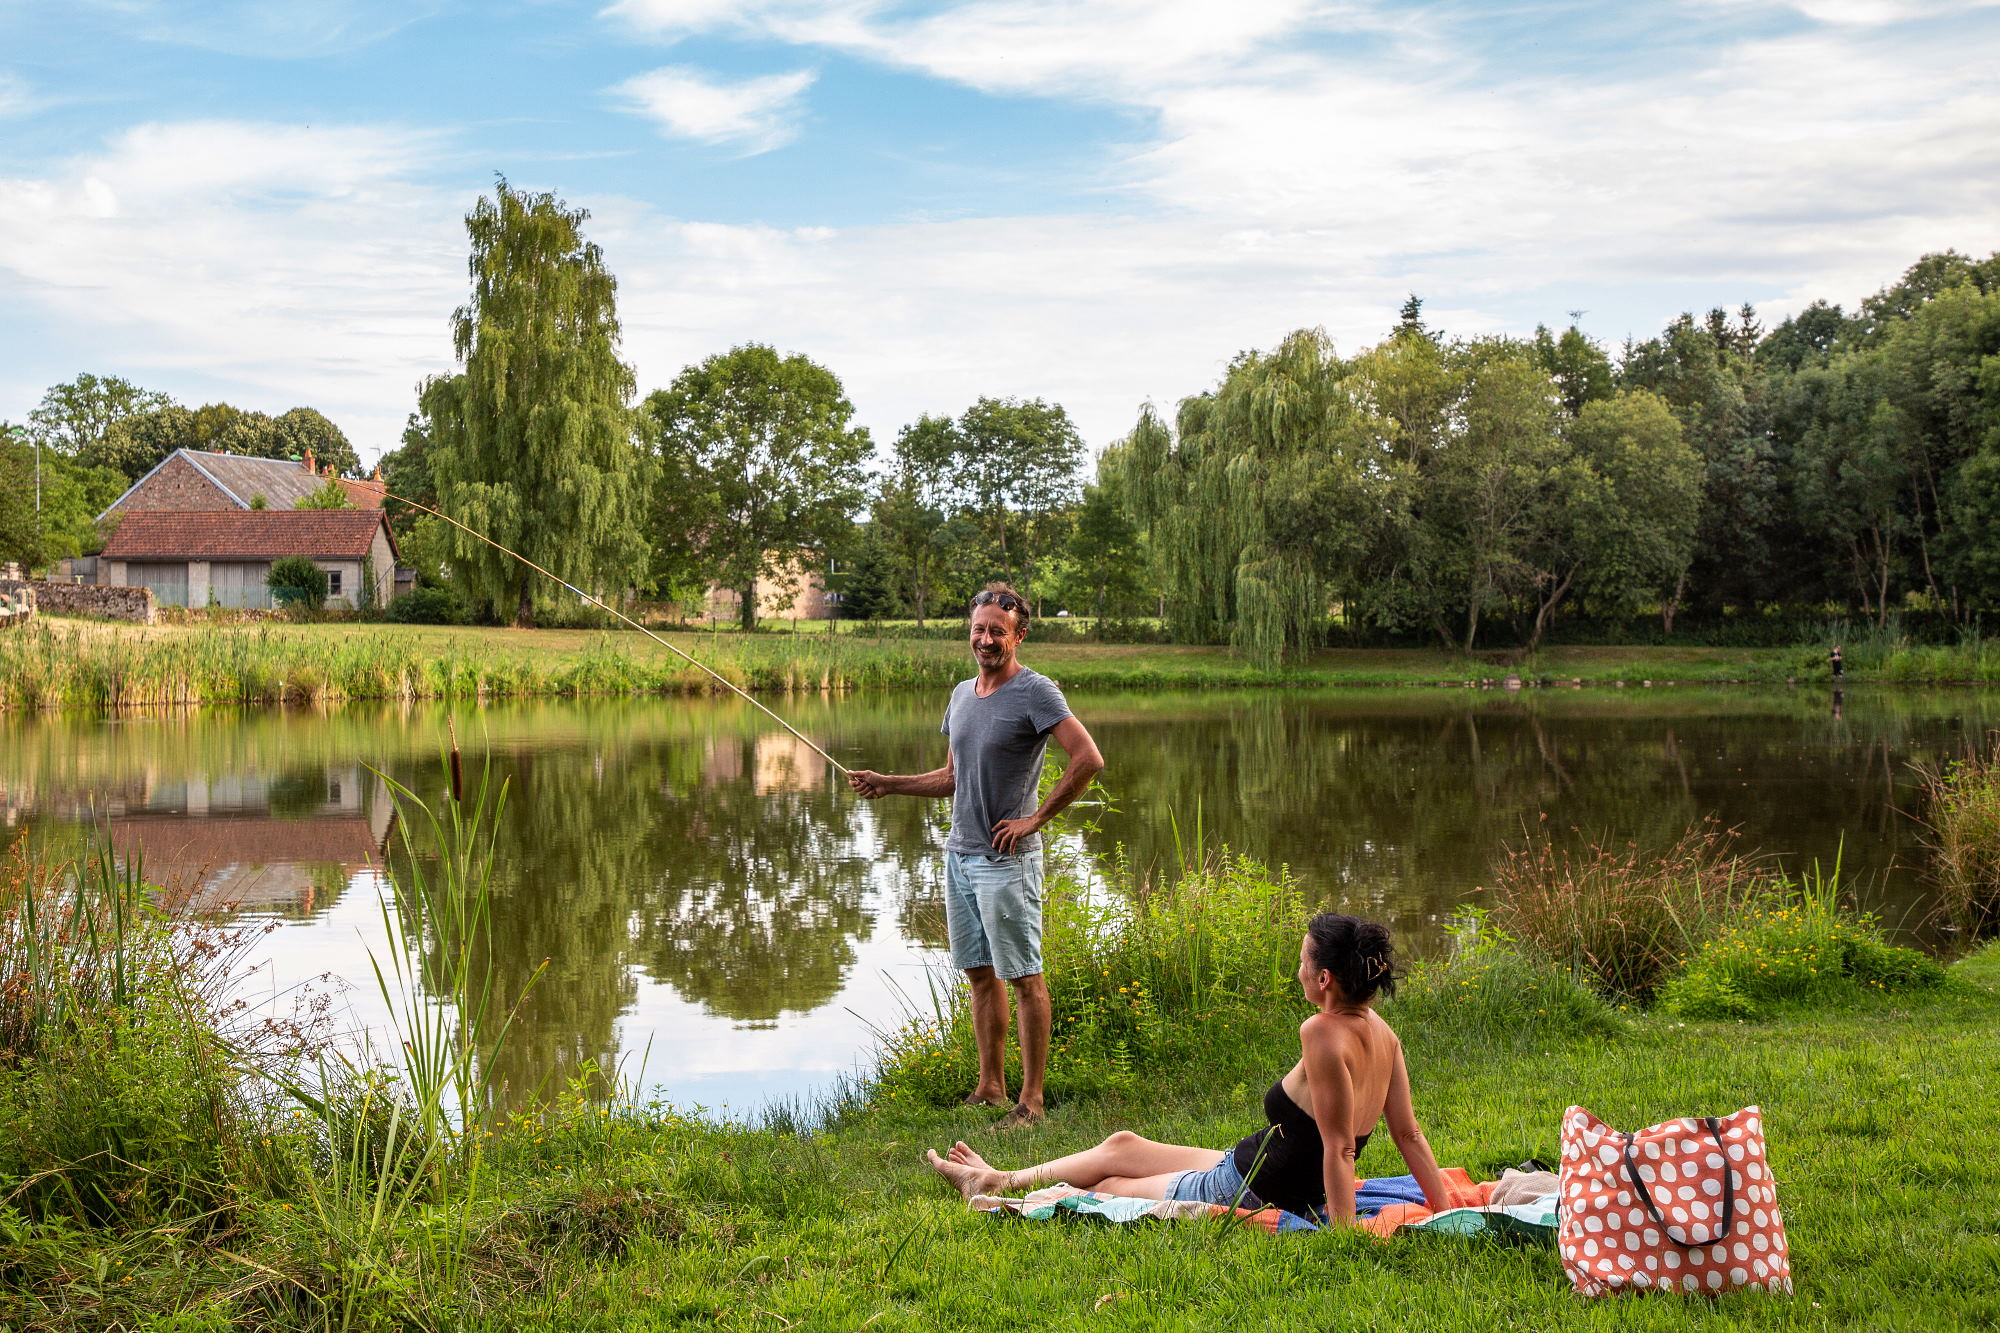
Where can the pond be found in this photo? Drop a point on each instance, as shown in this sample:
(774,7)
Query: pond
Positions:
(726,925)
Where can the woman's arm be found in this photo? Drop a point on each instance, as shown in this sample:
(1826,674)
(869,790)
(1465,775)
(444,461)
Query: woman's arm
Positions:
(1409,1136)
(1323,1044)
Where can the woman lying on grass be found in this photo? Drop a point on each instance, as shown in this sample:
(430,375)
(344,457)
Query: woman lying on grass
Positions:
(1349,1076)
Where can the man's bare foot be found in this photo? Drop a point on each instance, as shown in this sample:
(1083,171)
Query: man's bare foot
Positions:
(967,1179)
(1019,1118)
(983,1099)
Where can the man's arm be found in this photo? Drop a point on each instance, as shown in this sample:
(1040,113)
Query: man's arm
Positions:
(937,782)
(1084,764)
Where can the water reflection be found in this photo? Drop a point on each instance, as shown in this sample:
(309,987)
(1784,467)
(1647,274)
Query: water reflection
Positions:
(697,884)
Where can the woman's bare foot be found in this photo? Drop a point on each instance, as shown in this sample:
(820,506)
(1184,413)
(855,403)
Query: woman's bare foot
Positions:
(966,1178)
(965,1156)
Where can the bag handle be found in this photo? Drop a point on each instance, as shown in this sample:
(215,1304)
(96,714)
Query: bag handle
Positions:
(1728,1221)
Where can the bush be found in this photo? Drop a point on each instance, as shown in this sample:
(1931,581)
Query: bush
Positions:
(1140,976)
(295,581)
(119,1100)
(1797,948)
(1620,915)
(1488,991)
(428,606)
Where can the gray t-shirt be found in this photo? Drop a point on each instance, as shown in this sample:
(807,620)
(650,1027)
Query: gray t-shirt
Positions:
(997,745)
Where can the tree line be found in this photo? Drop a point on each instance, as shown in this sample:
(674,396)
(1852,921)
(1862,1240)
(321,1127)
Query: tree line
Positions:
(91,437)
(1439,488)
(1461,491)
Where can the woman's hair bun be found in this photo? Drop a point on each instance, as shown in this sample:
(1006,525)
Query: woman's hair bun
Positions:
(1358,953)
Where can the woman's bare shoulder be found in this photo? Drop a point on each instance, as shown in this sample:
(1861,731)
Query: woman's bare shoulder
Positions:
(1338,1031)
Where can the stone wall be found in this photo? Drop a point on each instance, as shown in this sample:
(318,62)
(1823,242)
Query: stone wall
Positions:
(180,487)
(82,599)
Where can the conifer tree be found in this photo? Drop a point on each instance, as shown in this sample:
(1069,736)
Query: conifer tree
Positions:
(532,440)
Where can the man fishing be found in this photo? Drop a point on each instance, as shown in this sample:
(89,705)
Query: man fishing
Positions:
(999,724)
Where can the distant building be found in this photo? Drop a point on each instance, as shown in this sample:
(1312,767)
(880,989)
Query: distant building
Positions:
(799,592)
(196,481)
(202,529)
(211,558)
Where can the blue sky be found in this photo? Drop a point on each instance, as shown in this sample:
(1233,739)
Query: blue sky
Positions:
(1098,203)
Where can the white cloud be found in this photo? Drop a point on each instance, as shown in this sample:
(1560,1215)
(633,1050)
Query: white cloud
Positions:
(1099,48)
(266,29)
(300,266)
(1290,177)
(1859,13)
(754,115)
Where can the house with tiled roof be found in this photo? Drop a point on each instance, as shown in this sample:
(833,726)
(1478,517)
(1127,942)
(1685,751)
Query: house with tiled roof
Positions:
(221,557)
(196,481)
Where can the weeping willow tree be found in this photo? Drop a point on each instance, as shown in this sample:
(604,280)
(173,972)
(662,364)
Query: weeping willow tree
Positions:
(532,441)
(1261,501)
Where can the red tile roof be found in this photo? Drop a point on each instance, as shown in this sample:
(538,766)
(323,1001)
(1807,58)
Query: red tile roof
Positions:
(245,534)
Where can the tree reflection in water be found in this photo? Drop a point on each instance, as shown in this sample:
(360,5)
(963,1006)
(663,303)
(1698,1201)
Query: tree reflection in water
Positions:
(687,844)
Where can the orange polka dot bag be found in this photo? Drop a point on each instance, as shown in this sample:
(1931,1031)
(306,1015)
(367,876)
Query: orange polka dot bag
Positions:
(1689,1206)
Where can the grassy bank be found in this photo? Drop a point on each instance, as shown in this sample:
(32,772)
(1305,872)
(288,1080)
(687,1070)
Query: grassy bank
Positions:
(73,664)
(147,1182)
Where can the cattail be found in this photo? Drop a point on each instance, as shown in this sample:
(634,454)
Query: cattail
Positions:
(457,765)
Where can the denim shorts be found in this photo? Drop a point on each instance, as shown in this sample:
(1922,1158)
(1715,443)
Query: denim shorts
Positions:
(993,912)
(1221,1183)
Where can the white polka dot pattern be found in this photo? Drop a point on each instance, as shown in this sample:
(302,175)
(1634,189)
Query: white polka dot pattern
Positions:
(1730,1232)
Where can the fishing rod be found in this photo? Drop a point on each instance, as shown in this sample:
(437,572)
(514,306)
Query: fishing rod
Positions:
(600,605)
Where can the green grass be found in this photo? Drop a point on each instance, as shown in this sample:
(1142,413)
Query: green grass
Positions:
(79,664)
(596,1215)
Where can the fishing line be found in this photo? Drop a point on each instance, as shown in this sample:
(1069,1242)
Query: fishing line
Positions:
(731,685)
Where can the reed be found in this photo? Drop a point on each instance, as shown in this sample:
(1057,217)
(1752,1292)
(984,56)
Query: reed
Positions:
(1623,915)
(63,667)
(1962,817)
(405,1130)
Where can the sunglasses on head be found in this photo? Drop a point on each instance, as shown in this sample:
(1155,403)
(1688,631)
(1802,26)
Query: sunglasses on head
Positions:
(1006,601)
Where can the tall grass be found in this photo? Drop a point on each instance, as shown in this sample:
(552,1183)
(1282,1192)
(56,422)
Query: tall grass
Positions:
(1180,975)
(1963,819)
(1487,991)
(55,667)
(121,1097)
(1624,915)
(1142,973)
(404,1132)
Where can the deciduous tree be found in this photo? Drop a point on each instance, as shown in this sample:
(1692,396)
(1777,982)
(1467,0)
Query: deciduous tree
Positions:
(1021,461)
(912,502)
(76,415)
(532,440)
(758,464)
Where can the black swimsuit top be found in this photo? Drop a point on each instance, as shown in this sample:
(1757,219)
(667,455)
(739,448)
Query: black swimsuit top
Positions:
(1292,1174)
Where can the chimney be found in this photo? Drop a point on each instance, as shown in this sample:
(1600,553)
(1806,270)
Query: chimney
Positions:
(309,465)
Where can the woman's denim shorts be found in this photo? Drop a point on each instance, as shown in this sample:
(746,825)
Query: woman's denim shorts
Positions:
(1221,1183)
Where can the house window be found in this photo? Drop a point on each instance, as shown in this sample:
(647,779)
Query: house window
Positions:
(333,583)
